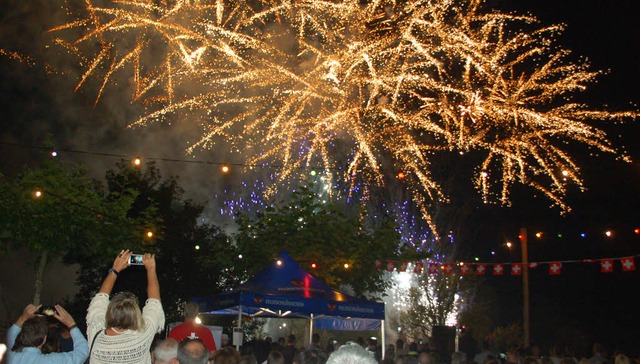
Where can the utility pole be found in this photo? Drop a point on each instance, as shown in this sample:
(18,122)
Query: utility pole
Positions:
(525,287)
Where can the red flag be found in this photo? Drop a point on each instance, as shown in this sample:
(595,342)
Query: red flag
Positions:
(516,269)
(555,268)
(418,267)
(606,265)
(628,264)
(433,268)
(403,267)
(481,269)
(498,269)
(447,268)
(533,265)
(465,269)
(390,265)
(378,264)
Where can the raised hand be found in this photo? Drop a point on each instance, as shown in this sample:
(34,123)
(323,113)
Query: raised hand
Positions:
(64,317)
(27,313)
(122,260)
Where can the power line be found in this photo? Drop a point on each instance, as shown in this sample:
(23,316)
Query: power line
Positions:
(161,159)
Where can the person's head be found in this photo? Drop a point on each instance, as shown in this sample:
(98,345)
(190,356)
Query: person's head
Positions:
(372,343)
(52,344)
(192,351)
(165,352)
(490,359)
(567,360)
(312,358)
(427,358)
(545,360)
(124,312)
(621,359)
(228,355)
(275,357)
(248,359)
(351,354)
(33,334)
(315,338)
(459,357)
(291,339)
(191,310)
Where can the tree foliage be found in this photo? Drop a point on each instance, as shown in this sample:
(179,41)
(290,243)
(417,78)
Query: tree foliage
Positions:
(55,210)
(327,234)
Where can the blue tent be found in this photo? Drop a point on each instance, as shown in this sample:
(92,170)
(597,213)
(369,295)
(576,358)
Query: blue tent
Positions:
(284,289)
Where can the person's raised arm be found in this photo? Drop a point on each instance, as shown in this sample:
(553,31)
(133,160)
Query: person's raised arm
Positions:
(119,264)
(28,312)
(153,286)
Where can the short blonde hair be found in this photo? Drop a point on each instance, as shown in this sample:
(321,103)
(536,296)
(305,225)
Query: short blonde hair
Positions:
(124,312)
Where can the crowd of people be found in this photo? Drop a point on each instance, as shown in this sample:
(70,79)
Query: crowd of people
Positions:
(120,332)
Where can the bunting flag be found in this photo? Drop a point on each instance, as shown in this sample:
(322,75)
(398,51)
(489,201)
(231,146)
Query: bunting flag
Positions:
(378,264)
(390,265)
(606,265)
(516,269)
(448,268)
(628,264)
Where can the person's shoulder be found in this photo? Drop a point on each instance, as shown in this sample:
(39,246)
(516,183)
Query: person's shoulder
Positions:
(203,329)
(176,329)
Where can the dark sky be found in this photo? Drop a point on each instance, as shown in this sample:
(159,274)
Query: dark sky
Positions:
(36,107)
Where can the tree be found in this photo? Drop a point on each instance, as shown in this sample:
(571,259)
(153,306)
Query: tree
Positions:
(194,259)
(55,210)
(328,235)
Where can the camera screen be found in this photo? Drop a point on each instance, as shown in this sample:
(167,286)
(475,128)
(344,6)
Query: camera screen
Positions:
(136,259)
(48,310)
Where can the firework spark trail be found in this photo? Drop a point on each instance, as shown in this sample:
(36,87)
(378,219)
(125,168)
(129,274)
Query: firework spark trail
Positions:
(394,83)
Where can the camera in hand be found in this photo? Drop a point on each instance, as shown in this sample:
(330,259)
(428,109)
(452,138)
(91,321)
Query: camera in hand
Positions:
(47,310)
(135,259)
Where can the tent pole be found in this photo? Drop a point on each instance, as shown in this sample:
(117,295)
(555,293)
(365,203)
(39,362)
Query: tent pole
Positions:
(384,345)
(310,330)
(239,326)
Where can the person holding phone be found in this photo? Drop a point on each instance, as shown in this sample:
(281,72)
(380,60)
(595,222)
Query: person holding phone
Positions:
(119,332)
(27,336)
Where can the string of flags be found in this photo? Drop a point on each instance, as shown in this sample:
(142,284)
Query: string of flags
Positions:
(607,265)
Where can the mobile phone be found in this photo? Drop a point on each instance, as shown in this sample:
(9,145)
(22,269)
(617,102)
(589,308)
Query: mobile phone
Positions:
(47,310)
(135,259)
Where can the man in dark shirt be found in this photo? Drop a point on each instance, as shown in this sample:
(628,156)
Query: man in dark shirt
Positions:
(289,352)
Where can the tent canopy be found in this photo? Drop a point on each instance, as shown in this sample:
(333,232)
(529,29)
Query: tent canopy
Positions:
(285,289)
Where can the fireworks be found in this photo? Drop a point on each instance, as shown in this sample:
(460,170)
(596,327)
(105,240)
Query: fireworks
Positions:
(363,89)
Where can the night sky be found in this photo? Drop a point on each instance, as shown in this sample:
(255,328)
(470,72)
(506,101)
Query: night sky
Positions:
(38,107)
